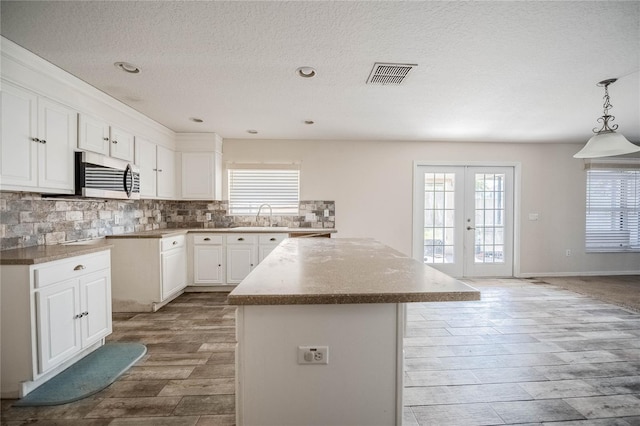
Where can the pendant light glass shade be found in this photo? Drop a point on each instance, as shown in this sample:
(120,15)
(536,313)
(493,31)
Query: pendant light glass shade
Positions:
(606,142)
(607,145)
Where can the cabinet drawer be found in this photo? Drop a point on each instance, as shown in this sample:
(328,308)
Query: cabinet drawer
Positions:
(272,238)
(61,270)
(169,243)
(241,239)
(207,239)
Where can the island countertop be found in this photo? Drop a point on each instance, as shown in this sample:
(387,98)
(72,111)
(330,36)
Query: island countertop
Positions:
(340,271)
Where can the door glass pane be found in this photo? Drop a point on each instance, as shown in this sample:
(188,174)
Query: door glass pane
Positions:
(489,217)
(439,207)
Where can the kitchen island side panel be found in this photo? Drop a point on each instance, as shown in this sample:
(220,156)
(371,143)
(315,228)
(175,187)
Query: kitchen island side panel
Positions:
(360,385)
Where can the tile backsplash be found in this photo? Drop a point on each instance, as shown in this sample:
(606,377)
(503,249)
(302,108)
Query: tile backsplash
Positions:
(28,219)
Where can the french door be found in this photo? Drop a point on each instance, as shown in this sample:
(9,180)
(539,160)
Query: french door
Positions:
(463,219)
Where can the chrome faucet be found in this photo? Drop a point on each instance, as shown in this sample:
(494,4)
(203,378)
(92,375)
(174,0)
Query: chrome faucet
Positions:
(270,212)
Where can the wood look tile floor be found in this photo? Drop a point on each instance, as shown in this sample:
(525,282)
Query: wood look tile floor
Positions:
(525,354)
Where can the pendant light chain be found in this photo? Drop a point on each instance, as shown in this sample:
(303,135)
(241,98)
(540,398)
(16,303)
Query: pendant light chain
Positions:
(607,106)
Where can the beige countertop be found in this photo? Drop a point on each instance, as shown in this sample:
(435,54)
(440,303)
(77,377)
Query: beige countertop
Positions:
(47,253)
(41,254)
(333,271)
(161,233)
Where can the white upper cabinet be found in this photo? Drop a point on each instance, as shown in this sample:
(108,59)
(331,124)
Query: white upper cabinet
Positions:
(166,161)
(19,162)
(93,134)
(38,138)
(198,175)
(57,129)
(200,165)
(97,135)
(122,144)
(157,170)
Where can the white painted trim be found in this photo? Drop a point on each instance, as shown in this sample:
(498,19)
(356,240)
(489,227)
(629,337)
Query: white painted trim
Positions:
(517,200)
(575,274)
(190,142)
(400,322)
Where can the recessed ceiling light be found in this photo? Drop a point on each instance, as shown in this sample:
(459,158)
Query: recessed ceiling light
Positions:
(127,67)
(309,121)
(253,132)
(196,120)
(306,72)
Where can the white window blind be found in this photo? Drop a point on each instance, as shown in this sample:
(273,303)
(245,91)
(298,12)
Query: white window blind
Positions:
(250,188)
(613,209)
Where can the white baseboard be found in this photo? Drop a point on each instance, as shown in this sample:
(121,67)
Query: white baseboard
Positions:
(575,274)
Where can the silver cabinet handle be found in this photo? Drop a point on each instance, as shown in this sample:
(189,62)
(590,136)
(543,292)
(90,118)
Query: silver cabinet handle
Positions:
(159,170)
(207,239)
(174,243)
(35,140)
(77,316)
(240,239)
(114,141)
(79,268)
(272,239)
(469,228)
(105,139)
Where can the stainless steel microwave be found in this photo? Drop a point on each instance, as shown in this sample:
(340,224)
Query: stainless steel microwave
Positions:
(105,177)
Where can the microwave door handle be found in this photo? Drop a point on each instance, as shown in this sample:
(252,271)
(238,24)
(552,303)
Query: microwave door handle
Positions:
(128,189)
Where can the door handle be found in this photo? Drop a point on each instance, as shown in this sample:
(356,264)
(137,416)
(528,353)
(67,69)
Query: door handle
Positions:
(469,228)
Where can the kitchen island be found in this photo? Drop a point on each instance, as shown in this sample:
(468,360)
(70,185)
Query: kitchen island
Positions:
(320,326)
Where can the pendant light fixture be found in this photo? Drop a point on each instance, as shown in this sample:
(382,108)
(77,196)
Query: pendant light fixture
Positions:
(606,142)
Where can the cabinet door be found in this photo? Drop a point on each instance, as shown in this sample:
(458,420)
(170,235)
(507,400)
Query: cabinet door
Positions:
(166,161)
(121,144)
(174,271)
(207,265)
(93,134)
(58,133)
(57,323)
(240,261)
(264,250)
(146,161)
(198,175)
(18,161)
(95,304)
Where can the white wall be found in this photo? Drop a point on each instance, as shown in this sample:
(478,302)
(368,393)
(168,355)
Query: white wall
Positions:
(371,183)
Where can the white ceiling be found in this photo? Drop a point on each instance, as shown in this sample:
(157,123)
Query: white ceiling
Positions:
(522,71)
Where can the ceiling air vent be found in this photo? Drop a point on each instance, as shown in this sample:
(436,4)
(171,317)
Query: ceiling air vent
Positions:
(389,74)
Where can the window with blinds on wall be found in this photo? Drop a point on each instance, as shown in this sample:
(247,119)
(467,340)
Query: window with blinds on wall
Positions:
(252,186)
(613,207)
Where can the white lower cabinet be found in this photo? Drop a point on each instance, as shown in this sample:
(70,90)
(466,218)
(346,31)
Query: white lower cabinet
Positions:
(147,272)
(52,315)
(218,259)
(70,316)
(208,260)
(268,242)
(57,323)
(174,269)
(241,256)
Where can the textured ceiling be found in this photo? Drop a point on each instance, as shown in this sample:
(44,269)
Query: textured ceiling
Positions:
(487,71)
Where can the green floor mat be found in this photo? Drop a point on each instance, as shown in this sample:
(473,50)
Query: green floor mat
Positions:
(89,375)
